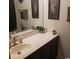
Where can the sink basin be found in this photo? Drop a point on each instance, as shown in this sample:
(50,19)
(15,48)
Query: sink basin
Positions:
(19,49)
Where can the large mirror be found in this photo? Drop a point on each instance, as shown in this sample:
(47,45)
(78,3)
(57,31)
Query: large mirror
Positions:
(22,16)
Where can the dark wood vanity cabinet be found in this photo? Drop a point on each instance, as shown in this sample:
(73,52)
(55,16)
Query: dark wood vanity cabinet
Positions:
(48,51)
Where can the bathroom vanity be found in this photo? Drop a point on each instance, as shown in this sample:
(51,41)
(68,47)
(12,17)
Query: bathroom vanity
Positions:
(38,46)
(48,51)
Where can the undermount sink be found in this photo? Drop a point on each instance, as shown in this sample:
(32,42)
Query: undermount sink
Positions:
(19,49)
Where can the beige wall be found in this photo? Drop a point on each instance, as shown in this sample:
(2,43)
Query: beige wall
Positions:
(61,25)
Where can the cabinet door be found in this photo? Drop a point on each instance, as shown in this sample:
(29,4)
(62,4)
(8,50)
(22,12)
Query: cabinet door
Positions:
(53,52)
(50,49)
(35,55)
(54,48)
(46,53)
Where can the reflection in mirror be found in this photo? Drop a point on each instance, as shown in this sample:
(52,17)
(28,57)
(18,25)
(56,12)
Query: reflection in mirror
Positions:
(23,21)
(20,16)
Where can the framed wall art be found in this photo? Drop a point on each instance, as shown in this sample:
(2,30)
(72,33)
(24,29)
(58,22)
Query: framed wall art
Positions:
(68,14)
(35,8)
(24,14)
(54,9)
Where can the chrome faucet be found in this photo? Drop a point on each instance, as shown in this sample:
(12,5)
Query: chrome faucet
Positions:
(14,38)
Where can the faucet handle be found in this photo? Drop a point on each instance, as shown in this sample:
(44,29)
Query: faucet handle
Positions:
(10,43)
(10,36)
(21,40)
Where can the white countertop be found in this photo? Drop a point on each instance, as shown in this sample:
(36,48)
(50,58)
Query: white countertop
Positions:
(36,41)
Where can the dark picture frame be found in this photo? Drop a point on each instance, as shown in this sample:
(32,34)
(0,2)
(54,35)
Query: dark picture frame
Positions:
(24,14)
(35,8)
(68,14)
(54,9)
